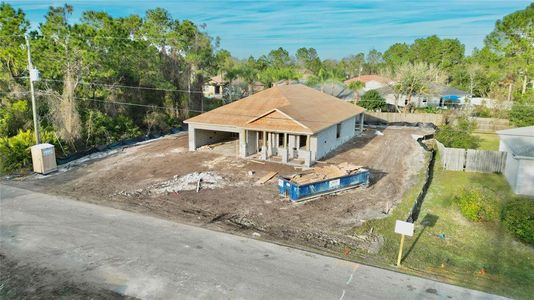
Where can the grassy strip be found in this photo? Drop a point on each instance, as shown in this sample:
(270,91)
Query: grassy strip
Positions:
(489,141)
(482,256)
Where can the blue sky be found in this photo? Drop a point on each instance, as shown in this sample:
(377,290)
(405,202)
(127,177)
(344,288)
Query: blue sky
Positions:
(335,28)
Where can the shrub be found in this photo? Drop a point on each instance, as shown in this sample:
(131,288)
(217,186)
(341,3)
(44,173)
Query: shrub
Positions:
(372,100)
(15,151)
(522,114)
(482,112)
(13,117)
(156,121)
(518,217)
(431,110)
(459,135)
(477,205)
(101,129)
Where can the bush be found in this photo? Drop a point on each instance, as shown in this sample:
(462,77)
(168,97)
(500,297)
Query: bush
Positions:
(431,110)
(482,112)
(13,117)
(522,114)
(454,137)
(101,129)
(459,135)
(477,205)
(15,151)
(518,217)
(372,100)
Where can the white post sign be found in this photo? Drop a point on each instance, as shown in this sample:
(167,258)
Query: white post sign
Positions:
(403,228)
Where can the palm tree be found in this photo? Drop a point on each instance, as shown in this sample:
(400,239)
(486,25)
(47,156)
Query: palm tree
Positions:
(355,87)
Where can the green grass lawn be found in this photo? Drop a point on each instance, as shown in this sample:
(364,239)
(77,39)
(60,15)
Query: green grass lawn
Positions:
(489,141)
(482,256)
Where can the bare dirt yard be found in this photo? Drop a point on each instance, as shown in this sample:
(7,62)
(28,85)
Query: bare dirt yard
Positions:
(160,178)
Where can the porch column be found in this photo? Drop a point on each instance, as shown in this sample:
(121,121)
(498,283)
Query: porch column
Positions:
(307,157)
(243,140)
(264,146)
(285,152)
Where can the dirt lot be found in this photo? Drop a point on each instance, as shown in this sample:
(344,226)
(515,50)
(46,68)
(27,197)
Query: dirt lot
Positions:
(159,178)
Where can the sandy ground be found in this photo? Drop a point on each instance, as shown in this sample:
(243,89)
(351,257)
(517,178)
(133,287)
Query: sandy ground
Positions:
(158,178)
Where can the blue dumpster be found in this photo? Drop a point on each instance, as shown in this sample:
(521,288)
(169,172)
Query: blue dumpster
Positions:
(298,192)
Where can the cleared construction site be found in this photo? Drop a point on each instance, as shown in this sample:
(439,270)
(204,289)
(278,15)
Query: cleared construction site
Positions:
(220,190)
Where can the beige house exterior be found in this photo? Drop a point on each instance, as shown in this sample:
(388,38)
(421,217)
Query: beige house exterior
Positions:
(214,88)
(292,124)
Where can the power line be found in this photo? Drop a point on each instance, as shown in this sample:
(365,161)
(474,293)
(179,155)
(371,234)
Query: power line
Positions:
(126,86)
(187,110)
(181,109)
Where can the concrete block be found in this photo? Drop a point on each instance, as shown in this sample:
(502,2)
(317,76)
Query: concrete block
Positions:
(284,154)
(263,152)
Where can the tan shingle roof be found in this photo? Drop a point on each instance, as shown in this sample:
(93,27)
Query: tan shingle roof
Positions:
(289,108)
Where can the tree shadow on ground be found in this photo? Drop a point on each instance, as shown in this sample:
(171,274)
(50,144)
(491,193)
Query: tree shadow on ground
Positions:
(429,220)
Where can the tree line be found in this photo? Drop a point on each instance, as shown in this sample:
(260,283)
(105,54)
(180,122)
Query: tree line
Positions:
(107,78)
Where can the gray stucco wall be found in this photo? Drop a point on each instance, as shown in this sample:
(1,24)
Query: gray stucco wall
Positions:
(525,178)
(518,172)
(511,168)
(326,140)
(251,143)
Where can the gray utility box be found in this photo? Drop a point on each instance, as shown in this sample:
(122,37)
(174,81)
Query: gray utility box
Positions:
(44,158)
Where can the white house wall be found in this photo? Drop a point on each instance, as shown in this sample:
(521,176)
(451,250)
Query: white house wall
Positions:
(325,141)
(511,168)
(525,177)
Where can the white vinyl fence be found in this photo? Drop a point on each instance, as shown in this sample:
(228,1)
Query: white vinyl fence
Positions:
(470,160)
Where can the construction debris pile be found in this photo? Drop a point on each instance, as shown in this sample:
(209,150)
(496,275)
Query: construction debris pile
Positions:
(324,173)
(189,182)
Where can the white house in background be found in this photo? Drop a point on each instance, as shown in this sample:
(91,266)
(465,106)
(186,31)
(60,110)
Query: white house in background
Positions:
(519,170)
(441,96)
(372,82)
(214,88)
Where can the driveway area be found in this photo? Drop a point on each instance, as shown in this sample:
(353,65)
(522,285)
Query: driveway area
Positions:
(54,247)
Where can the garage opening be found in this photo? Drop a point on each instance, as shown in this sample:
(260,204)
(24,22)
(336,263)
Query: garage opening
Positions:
(222,142)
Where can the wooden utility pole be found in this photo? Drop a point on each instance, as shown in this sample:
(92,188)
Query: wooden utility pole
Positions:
(34,106)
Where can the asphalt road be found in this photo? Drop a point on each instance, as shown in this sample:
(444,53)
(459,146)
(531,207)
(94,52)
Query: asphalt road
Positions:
(150,258)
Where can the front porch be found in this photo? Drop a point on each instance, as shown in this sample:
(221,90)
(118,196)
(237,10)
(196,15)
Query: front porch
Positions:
(279,147)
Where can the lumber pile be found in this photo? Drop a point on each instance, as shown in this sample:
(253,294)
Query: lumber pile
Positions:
(324,173)
(266,178)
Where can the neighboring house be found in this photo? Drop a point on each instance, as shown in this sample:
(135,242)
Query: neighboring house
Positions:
(519,170)
(372,82)
(440,96)
(286,123)
(337,90)
(214,88)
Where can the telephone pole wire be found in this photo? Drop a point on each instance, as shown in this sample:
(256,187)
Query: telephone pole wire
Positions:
(34,106)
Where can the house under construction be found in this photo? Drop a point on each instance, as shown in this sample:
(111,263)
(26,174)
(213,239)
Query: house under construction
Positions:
(286,123)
